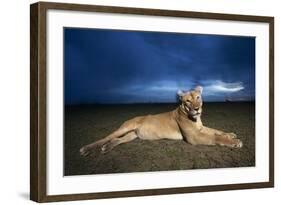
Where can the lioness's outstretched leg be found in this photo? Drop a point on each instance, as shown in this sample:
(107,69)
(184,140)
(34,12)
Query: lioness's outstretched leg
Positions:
(227,139)
(128,126)
(219,132)
(209,136)
(116,141)
(224,139)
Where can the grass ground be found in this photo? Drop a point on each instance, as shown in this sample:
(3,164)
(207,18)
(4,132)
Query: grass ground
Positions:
(88,123)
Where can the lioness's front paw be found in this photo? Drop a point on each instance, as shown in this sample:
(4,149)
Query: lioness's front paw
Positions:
(232,135)
(237,143)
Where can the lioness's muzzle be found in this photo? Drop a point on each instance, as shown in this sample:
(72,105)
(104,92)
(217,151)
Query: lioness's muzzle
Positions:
(194,112)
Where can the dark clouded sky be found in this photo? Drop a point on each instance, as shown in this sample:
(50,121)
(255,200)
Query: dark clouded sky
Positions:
(111,66)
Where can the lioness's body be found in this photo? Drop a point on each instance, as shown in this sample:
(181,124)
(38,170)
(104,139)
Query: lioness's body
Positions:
(183,123)
(160,126)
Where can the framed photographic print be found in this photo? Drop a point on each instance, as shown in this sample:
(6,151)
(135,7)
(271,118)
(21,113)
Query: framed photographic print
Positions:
(134,102)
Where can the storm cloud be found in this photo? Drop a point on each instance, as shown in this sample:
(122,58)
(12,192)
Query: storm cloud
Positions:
(113,66)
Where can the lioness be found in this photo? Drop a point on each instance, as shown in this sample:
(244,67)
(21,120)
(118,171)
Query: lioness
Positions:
(183,123)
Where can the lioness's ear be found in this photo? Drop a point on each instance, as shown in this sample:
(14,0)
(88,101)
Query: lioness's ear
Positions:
(199,89)
(180,93)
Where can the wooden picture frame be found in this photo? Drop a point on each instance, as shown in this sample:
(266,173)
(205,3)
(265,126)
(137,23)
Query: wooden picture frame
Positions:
(38,100)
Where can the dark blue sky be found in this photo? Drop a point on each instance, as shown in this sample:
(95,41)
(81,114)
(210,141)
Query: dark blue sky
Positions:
(112,66)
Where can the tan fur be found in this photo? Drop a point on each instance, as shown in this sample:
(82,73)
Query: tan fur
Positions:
(183,123)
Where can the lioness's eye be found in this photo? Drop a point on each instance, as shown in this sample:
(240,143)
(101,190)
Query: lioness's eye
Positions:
(198,97)
(188,101)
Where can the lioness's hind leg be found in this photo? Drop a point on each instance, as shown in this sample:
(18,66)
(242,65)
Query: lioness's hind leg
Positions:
(88,149)
(126,127)
(116,141)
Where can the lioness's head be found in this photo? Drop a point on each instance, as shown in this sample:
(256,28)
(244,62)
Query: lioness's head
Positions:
(191,102)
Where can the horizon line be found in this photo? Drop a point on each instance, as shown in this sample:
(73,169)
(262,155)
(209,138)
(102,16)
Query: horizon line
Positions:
(136,103)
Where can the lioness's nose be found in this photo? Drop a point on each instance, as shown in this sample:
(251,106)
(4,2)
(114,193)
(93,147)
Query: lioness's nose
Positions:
(196,109)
